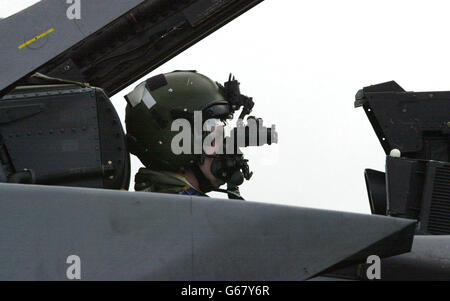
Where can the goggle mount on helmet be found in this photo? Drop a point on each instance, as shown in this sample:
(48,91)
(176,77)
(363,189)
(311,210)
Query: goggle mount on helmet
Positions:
(232,167)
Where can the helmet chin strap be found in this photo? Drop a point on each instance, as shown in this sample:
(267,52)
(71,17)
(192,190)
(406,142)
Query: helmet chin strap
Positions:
(232,194)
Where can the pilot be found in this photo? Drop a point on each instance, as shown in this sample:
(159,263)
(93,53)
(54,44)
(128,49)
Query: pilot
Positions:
(154,108)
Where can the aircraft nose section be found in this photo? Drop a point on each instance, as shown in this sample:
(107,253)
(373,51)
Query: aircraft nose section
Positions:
(255,241)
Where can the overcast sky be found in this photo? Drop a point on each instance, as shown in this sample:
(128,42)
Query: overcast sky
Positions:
(303,62)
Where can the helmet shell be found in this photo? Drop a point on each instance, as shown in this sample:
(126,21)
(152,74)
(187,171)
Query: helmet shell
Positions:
(173,95)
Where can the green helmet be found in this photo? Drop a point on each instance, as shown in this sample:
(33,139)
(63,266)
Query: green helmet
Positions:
(154,104)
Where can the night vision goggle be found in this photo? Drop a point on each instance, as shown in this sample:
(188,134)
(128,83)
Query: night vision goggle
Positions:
(230,165)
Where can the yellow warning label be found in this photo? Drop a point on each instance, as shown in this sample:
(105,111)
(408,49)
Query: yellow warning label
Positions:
(36,38)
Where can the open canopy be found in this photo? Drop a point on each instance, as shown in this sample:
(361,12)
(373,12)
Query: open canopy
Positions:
(111,44)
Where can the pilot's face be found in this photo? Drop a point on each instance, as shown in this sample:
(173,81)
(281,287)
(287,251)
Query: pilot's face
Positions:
(206,169)
(212,150)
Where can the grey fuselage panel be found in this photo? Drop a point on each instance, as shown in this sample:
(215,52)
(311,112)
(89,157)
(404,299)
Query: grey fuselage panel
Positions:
(122,235)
